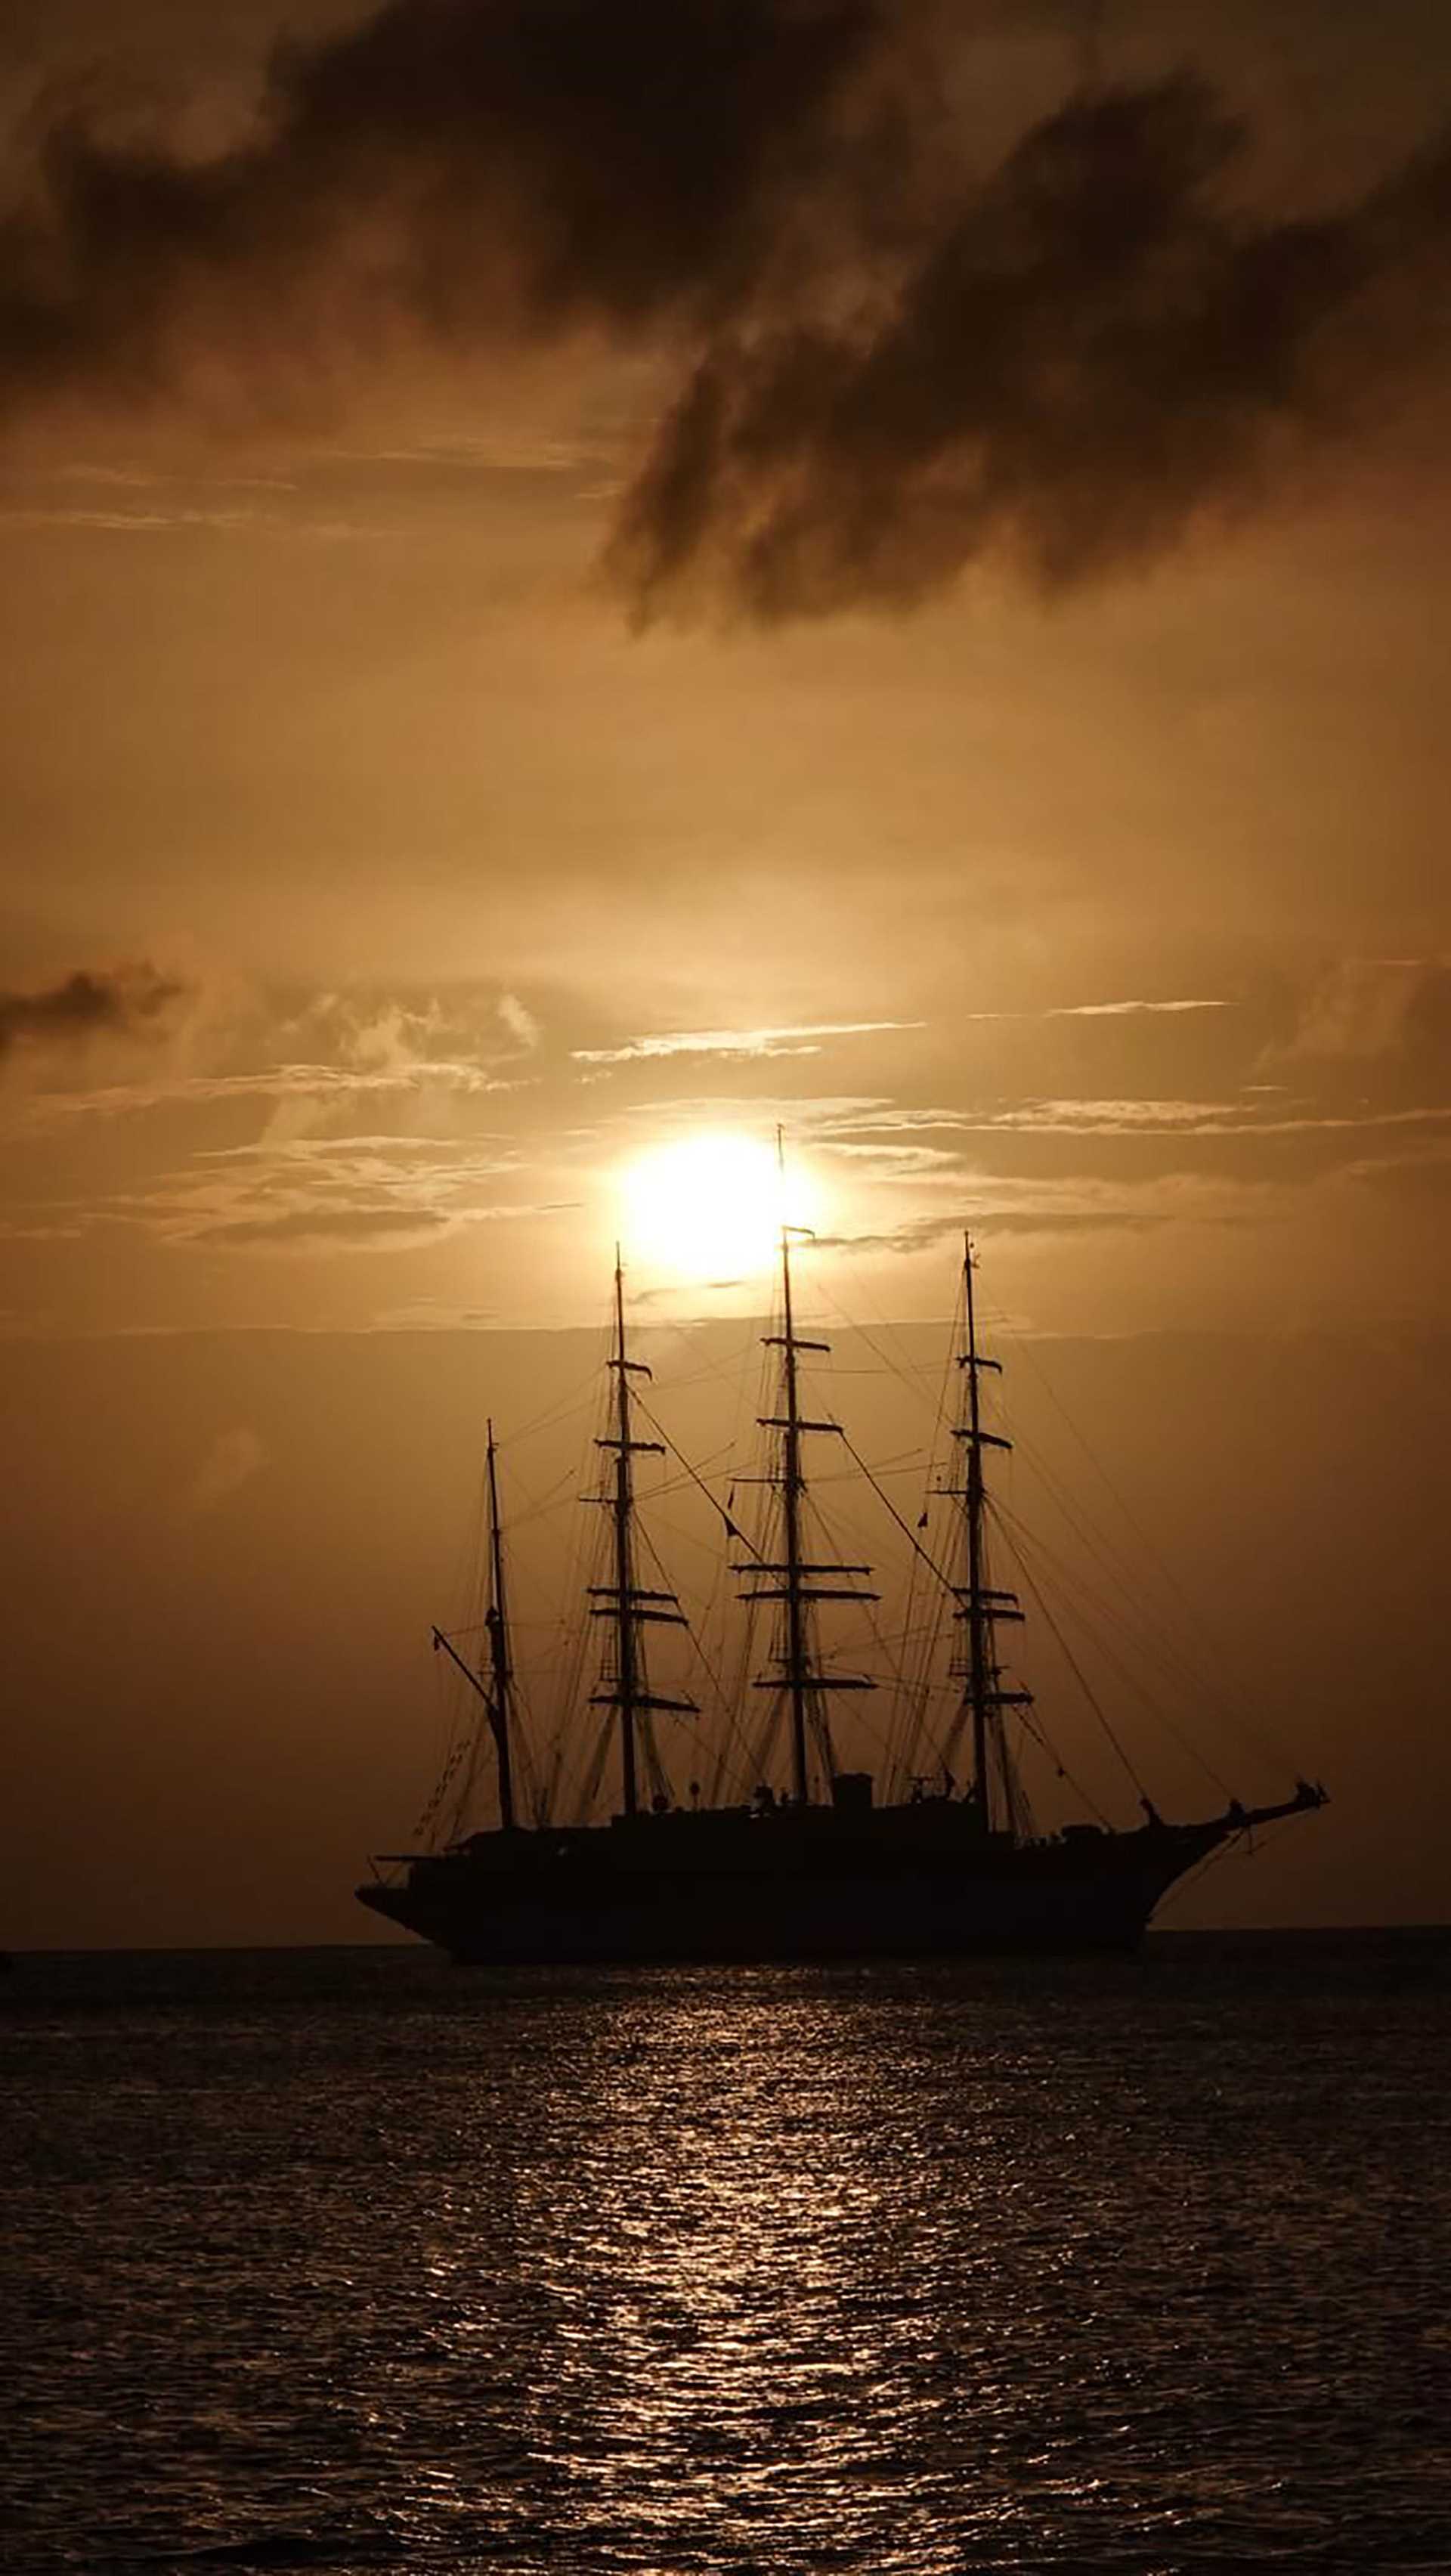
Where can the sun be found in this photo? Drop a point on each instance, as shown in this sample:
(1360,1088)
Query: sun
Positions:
(710,1206)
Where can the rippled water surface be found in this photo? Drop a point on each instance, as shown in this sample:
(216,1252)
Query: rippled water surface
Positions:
(347,2261)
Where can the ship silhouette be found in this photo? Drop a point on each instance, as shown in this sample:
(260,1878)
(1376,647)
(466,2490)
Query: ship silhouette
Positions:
(815,1865)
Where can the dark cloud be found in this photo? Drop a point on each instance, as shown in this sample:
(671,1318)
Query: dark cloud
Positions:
(469,170)
(122,1001)
(891,361)
(1095,349)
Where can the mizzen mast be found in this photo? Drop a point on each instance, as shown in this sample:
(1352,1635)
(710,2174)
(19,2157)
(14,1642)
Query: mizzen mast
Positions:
(795,1581)
(501,1661)
(497,1689)
(624,1602)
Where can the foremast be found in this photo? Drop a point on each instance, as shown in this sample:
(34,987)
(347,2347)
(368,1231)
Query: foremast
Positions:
(797,1583)
(625,1603)
(981,1605)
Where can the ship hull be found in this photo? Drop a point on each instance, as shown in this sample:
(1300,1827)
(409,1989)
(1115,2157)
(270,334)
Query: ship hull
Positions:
(573,1905)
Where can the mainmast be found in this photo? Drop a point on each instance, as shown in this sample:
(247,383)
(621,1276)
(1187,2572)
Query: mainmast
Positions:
(623,1601)
(798,1585)
(980,1605)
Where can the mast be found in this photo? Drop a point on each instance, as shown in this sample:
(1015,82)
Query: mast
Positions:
(497,1690)
(623,1601)
(501,1665)
(796,1668)
(978,1627)
(980,1606)
(798,1586)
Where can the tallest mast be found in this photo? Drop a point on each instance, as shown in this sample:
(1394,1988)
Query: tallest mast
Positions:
(795,1582)
(624,1602)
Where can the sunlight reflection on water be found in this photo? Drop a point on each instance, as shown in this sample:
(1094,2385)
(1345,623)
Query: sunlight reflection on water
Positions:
(903,2270)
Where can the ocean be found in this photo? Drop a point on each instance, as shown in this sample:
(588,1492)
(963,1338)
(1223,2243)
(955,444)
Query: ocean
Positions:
(345,2261)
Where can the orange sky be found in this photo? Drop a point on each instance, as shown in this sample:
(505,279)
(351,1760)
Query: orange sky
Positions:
(423,891)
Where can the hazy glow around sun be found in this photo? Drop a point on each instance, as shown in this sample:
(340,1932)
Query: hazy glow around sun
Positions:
(711,1206)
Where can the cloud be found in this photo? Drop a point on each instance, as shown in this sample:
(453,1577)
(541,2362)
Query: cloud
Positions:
(878,362)
(738,1042)
(1128,1010)
(1092,353)
(1102,1010)
(121,1001)
(444,170)
(877,1134)
(324,1085)
(301,1228)
(1006,1203)
(322,1229)
(232,1460)
(330,1194)
(1369,1008)
(923,1234)
(519,1021)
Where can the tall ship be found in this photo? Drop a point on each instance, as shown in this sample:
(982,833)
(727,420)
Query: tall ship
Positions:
(788,1852)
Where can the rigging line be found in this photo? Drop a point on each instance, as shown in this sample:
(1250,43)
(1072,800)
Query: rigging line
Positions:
(1080,1676)
(898,1462)
(569,1677)
(1158,1562)
(1102,1635)
(1111,1639)
(715,1369)
(1247,1844)
(732,1531)
(908,1368)
(577,1398)
(737,1733)
(539,1508)
(696,1647)
(1153,1638)
(1033,1725)
(913,1541)
(1102,1640)
(673,1484)
(900,1366)
(903,1371)
(916,1699)
(1116,1569)
(1200,1870)
(1016,1533)
(590,1786)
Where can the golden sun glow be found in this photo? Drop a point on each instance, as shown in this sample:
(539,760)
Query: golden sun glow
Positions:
(710,1207)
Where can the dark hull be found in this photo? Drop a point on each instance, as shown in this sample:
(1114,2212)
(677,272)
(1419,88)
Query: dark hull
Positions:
(793,1894)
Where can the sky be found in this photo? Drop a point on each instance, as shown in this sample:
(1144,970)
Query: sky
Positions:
(581,581)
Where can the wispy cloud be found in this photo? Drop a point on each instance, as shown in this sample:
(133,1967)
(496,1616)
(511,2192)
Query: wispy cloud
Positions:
(138,523)
(1366,1008)
(804,1039)
(1005,1204)
(519,1020)
(320,1082)
(330,1194)
(878,1128)
(1108,1010)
